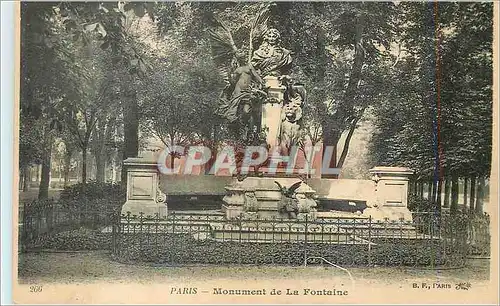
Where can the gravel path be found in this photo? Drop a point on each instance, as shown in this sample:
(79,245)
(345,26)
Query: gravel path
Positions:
(97,266)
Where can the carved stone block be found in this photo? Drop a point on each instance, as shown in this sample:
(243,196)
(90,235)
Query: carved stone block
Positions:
(391,194)
(143,194)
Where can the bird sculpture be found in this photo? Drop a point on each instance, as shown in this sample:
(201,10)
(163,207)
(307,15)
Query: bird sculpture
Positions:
(241,177)
(289,203)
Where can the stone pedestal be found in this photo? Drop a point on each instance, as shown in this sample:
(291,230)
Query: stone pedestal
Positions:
(391,194)
(261,196)
(271,110)
(234,201)
(143,192)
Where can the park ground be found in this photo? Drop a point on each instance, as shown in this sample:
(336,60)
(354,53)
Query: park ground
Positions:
(85,267)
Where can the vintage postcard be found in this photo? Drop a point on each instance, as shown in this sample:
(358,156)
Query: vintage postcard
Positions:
(256,153)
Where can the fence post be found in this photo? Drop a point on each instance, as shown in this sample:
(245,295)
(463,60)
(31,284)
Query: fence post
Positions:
(172,256)
(305,241)
(353,231)
(48,217)
(24,232)
(38,220)
(141,230)
(131,241)
(239,229)
(273,224)
(240,248)
(113,236)
(370,240)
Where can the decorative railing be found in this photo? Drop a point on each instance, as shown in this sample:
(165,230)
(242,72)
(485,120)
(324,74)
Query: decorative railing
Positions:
(209,238)
(430,239)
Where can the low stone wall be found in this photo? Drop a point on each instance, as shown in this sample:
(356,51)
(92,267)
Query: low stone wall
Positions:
(194,184)
(343,189)
(335,189)
(385,195)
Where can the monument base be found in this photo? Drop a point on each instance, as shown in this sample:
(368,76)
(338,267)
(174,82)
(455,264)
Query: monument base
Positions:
(391,194)
(148,208)
(262,197)
(143,193)
(388,213)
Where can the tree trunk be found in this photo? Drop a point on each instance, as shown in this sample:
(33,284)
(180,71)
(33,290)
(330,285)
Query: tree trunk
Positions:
(429,190)
(100,164)
(43,192)
(454,194)
(213,149)
(67,167)
(21,180)
(447,193)
(434,191)
(101,135)
(115,173)
(347,142)
(480,195)
(332,136)
(472,195)
(439,194)
(466,191)
(37,174)
(330,140)
(78,171)
(100,169)
(172,162)
(84,165)
(131,130)
(26,178)
(421,189)
(209,164)
(346,109)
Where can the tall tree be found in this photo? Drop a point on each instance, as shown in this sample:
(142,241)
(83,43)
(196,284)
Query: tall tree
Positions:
(342,54)
(446,93)
(48,65)
(174,98)
(48,73)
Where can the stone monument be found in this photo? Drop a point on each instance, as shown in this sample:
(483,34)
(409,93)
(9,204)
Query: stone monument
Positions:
(143,192)
(263,106)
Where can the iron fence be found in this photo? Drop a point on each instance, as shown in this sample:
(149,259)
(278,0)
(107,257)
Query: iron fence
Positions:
(429,239)
(39,220)
(181,238)
(478,234)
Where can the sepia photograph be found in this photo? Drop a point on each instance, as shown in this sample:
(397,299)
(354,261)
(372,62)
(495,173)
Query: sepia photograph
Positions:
(256,152)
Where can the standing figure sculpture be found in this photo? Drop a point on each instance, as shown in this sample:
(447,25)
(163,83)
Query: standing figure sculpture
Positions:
(240,99)
(291,118)
(239,102)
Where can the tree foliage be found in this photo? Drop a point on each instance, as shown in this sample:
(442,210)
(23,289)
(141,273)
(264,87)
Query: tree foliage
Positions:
(447,68)
(178,99)
(422,70)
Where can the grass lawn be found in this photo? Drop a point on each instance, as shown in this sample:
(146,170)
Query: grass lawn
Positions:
(84,267)
(32,194)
